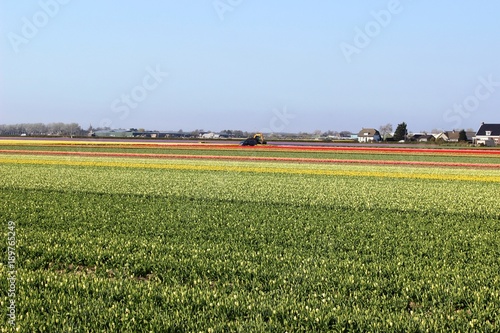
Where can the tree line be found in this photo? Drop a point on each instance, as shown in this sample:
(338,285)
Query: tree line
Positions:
(36,129)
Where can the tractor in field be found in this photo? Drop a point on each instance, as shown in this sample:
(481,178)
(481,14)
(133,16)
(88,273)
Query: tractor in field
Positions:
(257,139)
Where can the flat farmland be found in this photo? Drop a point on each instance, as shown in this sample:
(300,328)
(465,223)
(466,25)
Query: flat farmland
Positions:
(129,237)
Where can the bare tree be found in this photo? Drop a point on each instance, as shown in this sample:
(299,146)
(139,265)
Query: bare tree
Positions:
(345,134)
(384,130)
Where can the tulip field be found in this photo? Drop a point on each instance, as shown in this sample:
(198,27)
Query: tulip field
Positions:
(108,236)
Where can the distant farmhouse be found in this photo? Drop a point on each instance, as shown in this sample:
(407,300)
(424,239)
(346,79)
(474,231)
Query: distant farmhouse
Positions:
(488,135)
(453,136)
(369,135)
(118,133)
(133,133)
(422,137)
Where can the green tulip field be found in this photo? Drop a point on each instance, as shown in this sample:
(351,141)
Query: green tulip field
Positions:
(128,244)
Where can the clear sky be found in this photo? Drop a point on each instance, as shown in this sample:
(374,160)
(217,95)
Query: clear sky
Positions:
(251,64)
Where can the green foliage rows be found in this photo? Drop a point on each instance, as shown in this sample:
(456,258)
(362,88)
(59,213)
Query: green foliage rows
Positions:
(142,250)
(334,154)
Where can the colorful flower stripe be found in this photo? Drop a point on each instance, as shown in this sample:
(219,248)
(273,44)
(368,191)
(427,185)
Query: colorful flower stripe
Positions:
(235,146)
(400,150)
(257,158)
(229,168)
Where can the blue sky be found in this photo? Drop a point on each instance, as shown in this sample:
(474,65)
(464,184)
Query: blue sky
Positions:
(251,64)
